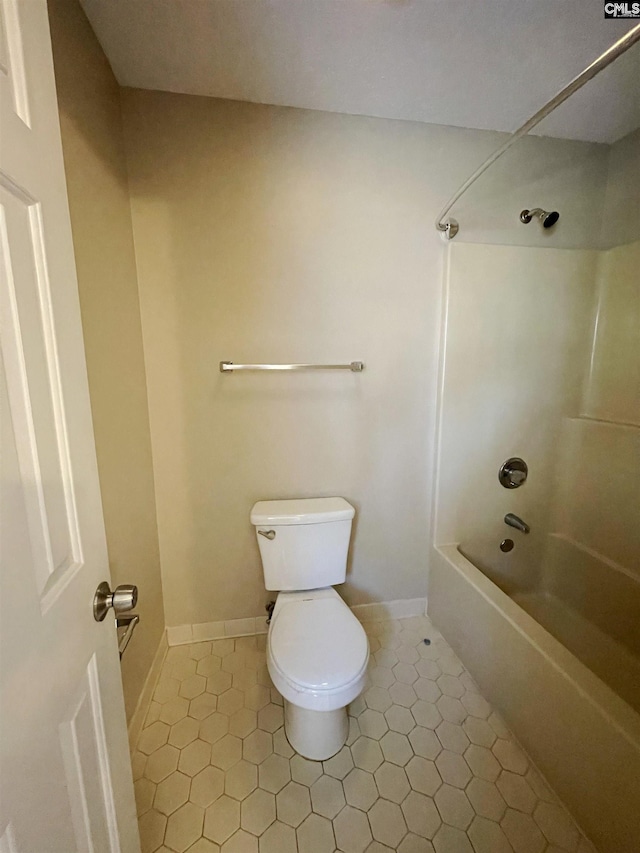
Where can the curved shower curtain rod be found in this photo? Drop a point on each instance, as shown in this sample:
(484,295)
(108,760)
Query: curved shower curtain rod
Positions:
(449,227)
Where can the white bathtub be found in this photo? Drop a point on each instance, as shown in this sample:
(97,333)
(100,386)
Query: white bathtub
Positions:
(580,733)
(590,605)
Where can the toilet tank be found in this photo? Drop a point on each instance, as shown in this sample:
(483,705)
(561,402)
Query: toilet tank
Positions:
(306,543)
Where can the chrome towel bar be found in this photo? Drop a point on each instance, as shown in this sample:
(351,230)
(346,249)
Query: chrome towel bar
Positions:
(230,367)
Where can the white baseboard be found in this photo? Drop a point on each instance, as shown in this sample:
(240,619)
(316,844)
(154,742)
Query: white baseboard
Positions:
(144,700)
(201,631)
(401,609)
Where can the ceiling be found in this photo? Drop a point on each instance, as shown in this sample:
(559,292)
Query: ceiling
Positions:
(485,64)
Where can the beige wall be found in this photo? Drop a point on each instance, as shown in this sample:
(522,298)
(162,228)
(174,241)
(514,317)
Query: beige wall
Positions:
(88,98)
(275,234)
(268,234)
(621,216)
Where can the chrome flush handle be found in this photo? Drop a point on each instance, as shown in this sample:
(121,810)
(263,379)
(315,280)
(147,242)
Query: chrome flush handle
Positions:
(268,534)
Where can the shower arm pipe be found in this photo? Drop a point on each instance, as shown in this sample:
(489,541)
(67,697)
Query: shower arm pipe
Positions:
(449,227)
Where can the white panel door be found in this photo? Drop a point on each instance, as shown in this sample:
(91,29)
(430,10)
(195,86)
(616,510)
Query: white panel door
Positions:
(65,774)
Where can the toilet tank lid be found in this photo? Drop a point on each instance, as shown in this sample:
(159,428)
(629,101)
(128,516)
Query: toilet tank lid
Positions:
(303,511)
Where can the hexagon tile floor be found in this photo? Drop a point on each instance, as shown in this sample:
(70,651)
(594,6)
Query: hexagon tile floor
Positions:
(428,765)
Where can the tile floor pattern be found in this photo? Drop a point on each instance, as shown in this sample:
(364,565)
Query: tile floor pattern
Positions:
(428,765)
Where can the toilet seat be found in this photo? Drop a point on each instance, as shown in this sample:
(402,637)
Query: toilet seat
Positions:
(317,651)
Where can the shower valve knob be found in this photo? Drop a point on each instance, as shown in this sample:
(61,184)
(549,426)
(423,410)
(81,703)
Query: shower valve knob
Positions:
(513,473)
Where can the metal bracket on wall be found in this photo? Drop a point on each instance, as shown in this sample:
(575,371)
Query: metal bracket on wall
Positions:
(129,623)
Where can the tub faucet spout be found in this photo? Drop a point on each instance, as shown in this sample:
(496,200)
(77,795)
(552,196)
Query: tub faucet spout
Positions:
(514,521)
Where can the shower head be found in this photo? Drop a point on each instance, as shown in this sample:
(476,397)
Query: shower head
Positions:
(547,218)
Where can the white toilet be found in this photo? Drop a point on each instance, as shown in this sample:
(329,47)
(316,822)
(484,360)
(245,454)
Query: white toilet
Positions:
(317,651)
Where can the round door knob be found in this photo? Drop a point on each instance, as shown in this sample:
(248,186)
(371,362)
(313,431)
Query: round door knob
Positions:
(123,598)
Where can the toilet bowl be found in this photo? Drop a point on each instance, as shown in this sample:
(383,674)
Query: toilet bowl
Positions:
(317,651)
(317,655)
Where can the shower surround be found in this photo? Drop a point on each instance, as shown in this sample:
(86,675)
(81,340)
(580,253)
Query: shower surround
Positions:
(539,358)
